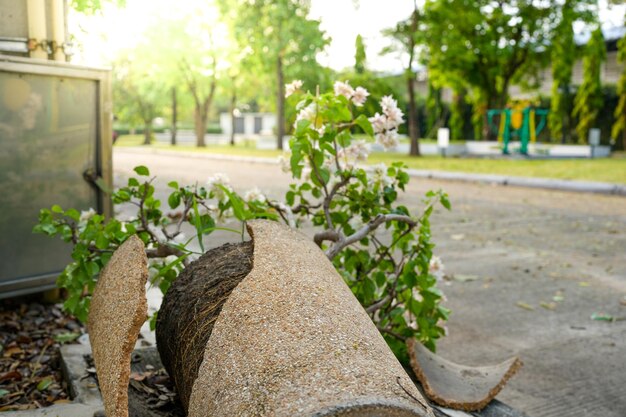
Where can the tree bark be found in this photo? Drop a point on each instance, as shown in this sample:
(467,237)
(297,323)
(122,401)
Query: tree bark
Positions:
(191,306)
(174,116)
(280,103)
(413,122)
(201,115)
(147,133)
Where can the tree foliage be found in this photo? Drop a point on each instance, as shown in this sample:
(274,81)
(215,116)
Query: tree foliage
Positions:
(588,99)
(282,43)
(360,57)
(407,38)
(563,55)
(487,46)
(620,112)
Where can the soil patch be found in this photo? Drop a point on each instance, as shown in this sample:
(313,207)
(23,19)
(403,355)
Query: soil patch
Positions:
(31,334)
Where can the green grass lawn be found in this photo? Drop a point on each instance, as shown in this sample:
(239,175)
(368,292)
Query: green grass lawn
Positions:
(606,169)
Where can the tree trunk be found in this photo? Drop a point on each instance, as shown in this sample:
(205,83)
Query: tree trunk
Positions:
(174,116)
(233,102)
(201,115)
(413,122)
(147,133)
(280,103)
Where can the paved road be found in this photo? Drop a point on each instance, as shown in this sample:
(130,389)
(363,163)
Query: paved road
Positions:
(505,245)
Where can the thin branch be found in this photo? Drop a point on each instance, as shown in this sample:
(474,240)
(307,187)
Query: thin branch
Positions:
(367,229)
(331,235)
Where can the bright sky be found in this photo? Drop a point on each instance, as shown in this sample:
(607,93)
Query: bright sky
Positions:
(342,20)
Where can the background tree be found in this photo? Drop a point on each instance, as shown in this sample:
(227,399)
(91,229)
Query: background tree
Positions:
(563,55)
(406,40)
(488,45)
(138,95)
(620,112)
(281,40)
(360,57)
(588,101)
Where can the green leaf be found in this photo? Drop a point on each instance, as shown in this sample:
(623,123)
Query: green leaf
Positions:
(174,199)
(153,320)
(56,209)
(132,182)
(365,124)
(44,384)
(3,392)
(142,170)
(197,223)
(173,184)
(445,201)
(237,204)
(66,337)
(102,242)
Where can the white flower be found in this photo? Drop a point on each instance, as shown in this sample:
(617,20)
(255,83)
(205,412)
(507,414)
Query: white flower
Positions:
(379,122)
(394,117)
(85,215)
(379,175)
(254,195)
(284,162)
(169,259)
(321,130)
(292,88)
(358,150)
(307,113)
(343,89)
(359,96)
(388,102)
(388,139)
(216,181)
(436,268)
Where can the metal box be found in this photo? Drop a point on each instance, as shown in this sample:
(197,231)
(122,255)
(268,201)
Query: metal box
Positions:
(55,126)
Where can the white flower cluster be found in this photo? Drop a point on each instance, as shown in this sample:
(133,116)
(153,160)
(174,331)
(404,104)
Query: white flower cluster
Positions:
(436,268)
(386,125)
(291,88)
(285,162)
(85,215)
(357,95)
(307,113)
(215,181)
(254,194)
(379,175)
(358,151)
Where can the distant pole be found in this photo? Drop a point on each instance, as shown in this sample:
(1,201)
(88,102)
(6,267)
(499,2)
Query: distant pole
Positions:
(173,129)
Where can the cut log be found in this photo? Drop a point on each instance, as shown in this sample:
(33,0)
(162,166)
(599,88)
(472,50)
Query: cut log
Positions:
(191,306)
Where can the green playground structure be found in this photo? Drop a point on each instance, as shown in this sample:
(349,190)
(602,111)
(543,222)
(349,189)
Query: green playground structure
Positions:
(520,120)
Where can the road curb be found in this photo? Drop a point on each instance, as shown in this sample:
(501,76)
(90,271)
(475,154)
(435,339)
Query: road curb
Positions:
(529,182)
